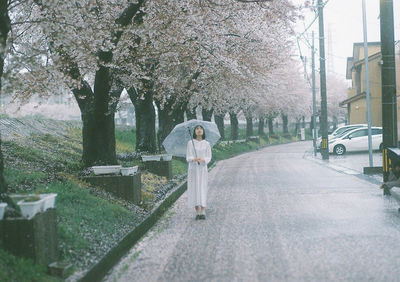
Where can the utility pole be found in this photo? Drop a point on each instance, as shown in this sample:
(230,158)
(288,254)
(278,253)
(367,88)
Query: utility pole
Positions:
(324,107)
(389,104)
(314,97)
(371,162)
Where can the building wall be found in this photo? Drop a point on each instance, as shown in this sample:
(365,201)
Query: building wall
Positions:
(357,110)
(372,49)
(375,90)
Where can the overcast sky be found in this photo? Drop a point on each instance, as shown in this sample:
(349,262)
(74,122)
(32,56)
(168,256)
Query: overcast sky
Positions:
(343,27)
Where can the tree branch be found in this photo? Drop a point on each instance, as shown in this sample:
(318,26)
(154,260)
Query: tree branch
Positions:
(126,18)
(254,1)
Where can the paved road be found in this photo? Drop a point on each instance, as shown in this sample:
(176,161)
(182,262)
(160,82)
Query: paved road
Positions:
(274,216)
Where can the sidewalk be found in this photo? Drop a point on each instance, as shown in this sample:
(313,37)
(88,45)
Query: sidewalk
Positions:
(349,163)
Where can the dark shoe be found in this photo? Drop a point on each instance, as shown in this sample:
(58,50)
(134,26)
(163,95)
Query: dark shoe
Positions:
(202,216)
(197,217)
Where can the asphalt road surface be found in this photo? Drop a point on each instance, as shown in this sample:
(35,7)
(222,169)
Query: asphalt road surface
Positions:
(274,215)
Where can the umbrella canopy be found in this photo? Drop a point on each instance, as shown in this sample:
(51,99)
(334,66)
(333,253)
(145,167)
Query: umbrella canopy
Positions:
(176,141)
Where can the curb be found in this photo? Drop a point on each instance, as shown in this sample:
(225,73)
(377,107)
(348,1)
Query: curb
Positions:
(100,270)
(372,170)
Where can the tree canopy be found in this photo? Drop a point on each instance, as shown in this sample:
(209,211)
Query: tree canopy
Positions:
(222,54)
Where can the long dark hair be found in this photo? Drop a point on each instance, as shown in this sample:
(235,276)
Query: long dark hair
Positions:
(194,132)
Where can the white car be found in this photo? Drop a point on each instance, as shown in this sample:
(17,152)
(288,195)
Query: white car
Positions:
(344,128)
(338,132)
(356,140)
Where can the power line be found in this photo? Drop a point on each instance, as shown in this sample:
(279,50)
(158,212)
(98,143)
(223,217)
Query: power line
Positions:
(304,39)
(315,18)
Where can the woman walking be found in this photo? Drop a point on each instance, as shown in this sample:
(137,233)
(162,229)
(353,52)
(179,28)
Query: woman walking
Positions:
(198,155)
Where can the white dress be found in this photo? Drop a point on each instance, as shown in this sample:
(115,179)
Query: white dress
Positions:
(197,184)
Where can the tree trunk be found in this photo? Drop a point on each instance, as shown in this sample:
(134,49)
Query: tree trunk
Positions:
(3,185)
(335,122)
(5,26)
(261,124)
(285,123)
(98,139)
(97,112)
(98,107)
(303,124)
(168,117)
(271,126)
(207,114)
(312,124)
(234,126)
(191,113)
(145,118)
(249,126)
(164,124)
(297,129)
(219,120)
(179,115)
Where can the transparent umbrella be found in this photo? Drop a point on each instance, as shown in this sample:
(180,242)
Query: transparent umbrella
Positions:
(176,141)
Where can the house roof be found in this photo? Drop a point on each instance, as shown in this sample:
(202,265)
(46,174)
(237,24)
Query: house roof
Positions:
(351,61)
(353,99)
(370,58)
(358,45)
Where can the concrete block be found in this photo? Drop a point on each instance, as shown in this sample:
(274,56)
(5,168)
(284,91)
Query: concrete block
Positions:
(34,238)
(60,269)
(255,139)
(161,168)
(372,170)
(125,187)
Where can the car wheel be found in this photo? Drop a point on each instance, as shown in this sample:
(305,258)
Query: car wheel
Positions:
(381,147)
(339,149)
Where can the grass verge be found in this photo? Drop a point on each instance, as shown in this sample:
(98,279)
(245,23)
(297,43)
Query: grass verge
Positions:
(90,222)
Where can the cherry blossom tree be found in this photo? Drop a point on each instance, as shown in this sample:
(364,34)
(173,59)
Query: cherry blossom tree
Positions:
(336,92)
(5,26)
(178,54)
(197,48)
(75,43)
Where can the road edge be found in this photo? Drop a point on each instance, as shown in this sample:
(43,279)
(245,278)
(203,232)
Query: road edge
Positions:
(100,269)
